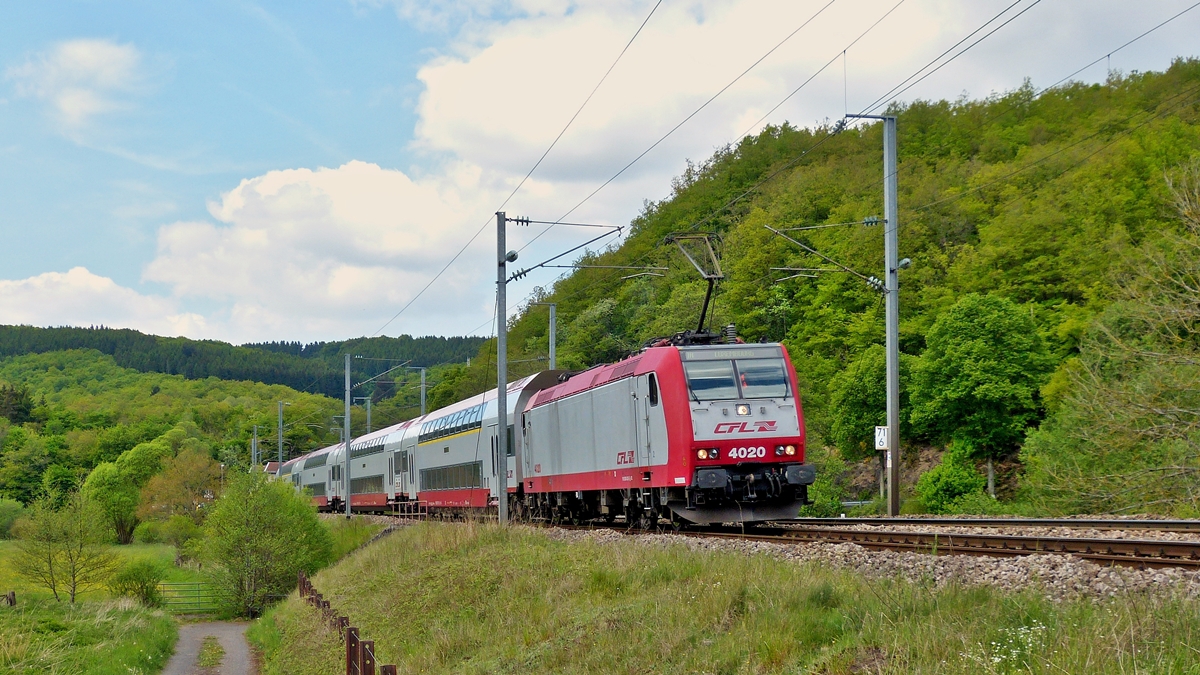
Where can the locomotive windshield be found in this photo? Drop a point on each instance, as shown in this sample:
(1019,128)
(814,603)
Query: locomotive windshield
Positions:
(712,380)
(762,378)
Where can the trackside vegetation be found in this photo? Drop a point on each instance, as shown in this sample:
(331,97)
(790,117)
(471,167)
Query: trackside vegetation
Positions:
(464,598)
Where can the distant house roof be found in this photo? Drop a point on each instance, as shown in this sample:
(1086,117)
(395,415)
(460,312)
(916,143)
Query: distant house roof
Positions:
(271,467)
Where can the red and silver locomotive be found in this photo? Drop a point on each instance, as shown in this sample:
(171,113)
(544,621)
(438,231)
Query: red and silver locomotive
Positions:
(693,433)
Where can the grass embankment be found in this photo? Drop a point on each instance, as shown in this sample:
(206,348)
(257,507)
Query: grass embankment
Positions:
(473,599)
(348,535)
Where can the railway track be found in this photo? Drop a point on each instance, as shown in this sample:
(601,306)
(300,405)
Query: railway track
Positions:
(1074,523)
(1136,553)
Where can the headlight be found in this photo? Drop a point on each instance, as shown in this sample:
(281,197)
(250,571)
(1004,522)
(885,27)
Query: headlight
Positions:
(702,453)
(779,450)
(791,449)
(743,410)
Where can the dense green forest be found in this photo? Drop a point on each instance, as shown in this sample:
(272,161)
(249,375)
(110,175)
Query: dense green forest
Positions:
(1046,202)
(316,367)
(84,409)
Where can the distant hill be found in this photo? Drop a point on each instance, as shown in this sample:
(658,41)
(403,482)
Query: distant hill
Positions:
(313,367)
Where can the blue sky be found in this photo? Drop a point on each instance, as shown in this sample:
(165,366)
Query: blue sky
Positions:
(222,91)
(299,171)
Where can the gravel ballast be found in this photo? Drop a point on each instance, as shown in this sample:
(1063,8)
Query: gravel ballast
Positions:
(1059,577)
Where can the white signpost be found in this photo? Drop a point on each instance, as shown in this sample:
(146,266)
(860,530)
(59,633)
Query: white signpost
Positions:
(881,438)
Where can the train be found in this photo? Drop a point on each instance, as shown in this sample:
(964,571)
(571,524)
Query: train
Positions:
(684,432)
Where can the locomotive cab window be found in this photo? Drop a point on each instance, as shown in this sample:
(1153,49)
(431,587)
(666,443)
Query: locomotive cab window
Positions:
(652,385)
(762,378)
(711,380)
(715,380)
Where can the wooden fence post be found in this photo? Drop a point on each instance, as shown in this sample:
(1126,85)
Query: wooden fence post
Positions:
(352,651)
(366,661)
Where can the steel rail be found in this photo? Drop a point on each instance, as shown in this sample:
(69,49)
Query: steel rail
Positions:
(1136,553)
(1075,523)
(1139,553)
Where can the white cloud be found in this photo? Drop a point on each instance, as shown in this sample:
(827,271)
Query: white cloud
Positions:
(80,298)
(325,253)
(79,78)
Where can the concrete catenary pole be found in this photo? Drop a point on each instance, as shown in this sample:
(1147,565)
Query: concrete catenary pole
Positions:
(346,438)
(280,432)
(369,414)
(553,335)
(501,459)
(254,447)
(891,226)
(423,389)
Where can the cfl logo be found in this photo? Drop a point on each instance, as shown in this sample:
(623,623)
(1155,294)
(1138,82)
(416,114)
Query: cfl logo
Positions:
(745,427)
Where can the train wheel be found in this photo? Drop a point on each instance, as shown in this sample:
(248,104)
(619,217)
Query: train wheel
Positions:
(648,520)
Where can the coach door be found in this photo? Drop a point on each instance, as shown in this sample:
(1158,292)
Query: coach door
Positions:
(406,469)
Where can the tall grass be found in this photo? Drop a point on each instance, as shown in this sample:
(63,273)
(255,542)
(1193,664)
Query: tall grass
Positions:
(96,638)
(476,599)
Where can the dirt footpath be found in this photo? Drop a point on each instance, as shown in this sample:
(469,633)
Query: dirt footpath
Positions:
(232,637)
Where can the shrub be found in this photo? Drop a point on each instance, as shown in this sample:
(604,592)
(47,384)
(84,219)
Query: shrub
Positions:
(149,532)
(826,494)
(11,510)
(259,534)
(943,485)
(139,579)
(179,531)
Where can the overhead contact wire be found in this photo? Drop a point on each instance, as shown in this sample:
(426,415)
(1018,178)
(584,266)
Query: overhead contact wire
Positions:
(685,120)
(527,175)
(952,58)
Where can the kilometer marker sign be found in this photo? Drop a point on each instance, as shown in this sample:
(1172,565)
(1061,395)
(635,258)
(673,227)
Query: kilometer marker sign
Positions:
(881,438)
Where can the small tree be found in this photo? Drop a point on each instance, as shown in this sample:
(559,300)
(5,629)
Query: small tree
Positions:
(188,482)
(977,382)
(259,534)
(64,550)
(39,546)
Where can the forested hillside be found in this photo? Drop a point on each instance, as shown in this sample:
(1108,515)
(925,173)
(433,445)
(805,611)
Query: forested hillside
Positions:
(316,367)
(1044,202)
(83,409)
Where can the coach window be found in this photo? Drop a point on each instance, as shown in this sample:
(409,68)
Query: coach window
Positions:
(652,383)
